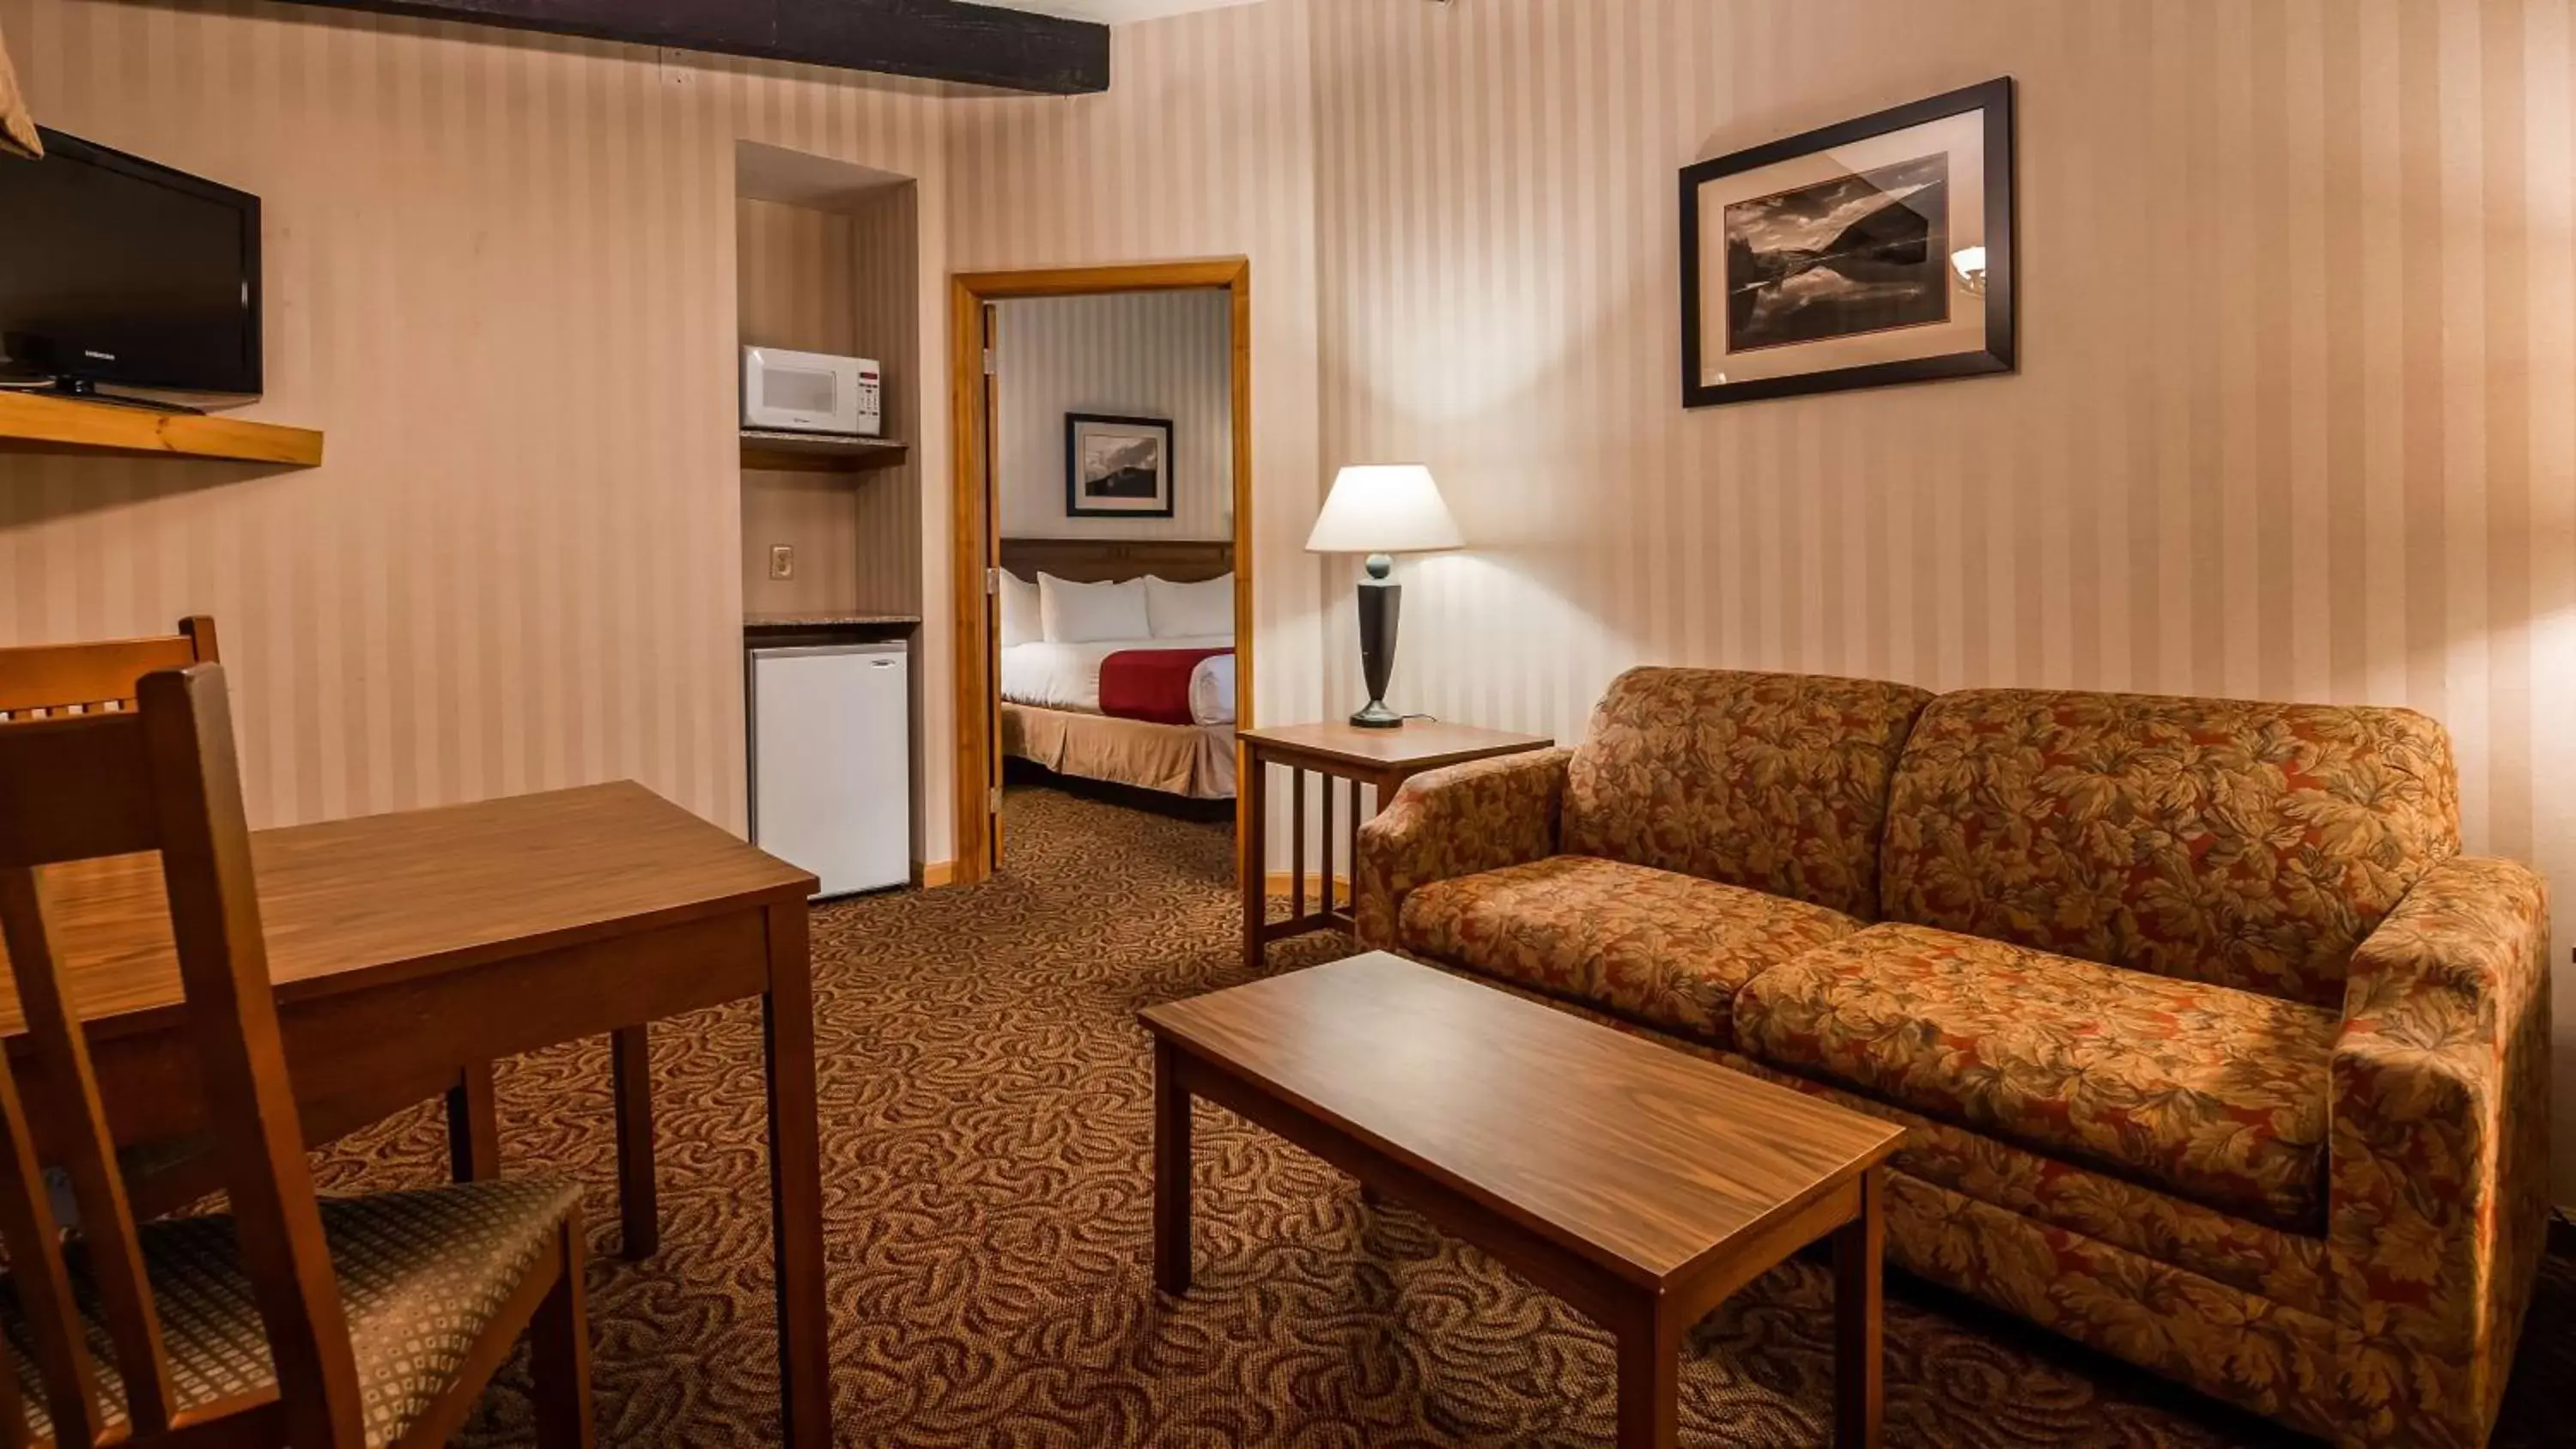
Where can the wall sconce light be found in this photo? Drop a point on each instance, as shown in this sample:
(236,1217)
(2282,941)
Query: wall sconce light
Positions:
(1970,263)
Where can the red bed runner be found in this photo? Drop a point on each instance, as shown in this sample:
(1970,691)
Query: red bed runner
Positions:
(1151,684)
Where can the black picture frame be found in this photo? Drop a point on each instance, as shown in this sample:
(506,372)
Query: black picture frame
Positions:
(1075,503)
(2001,353)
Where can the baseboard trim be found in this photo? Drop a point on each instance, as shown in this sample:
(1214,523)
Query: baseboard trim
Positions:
(935,874)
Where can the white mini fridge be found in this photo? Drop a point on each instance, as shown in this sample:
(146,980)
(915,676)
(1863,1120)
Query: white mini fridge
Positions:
(831,780)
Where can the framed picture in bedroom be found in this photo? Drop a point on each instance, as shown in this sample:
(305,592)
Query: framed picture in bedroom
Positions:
(1117,467)
(1873,252)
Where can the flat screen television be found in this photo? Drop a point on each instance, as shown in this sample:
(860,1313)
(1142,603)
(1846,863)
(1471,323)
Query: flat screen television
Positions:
(115,271)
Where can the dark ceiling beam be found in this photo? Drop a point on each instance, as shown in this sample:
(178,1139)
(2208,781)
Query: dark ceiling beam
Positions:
(934,39)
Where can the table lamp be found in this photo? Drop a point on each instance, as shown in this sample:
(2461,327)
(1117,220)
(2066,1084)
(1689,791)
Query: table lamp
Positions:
(1382,509)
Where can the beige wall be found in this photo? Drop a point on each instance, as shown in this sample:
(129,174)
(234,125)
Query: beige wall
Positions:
(500,274)
(795,277)
(845,282)
(892,292)
(1130,354)
(2296,416)
(1204,146)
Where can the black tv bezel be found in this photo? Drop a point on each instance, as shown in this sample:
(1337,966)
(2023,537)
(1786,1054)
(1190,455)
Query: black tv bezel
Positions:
(253,368)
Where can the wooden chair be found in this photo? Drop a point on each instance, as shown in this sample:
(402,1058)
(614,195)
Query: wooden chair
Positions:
(360,1322)
(39,681)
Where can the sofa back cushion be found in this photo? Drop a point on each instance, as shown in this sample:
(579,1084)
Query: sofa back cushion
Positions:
(1775,782)
(2246,845)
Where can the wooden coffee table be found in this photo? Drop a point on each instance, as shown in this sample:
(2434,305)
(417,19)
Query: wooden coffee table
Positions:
(1640,1184)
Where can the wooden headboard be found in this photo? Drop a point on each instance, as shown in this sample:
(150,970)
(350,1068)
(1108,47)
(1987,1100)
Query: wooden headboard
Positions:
(1114,560)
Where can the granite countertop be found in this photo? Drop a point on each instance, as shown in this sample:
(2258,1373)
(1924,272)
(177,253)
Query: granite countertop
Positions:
(827,619)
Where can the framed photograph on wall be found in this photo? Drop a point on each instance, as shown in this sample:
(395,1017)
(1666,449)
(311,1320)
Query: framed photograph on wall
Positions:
(1117,467)
(1873,252)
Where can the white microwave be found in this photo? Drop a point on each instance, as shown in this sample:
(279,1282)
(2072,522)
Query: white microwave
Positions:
(811,392)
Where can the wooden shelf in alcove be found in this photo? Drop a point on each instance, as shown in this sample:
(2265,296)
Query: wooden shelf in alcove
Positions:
(35,424)
(817,452)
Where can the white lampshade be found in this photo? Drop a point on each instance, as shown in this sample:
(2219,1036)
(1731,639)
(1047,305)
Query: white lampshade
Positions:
(1384,508)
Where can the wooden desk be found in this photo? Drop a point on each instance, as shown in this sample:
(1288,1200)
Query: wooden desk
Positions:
(1382,759)
(404,947)
(1638,1183)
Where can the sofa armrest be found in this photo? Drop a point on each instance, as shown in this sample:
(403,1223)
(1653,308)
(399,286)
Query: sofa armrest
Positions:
(1468,818)
(2439,1151)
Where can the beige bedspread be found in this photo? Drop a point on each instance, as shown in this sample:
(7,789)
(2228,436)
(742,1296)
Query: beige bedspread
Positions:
(1192,760)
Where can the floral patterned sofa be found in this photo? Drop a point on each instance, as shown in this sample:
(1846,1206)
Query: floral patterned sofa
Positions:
(2219,1056)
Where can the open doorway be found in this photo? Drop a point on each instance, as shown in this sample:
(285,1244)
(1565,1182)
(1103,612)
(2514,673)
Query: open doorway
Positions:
(1086,497)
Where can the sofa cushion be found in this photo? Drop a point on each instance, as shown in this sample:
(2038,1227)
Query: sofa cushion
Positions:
(2251,845)
(1778,782)
(2213,1094)
(1665,949)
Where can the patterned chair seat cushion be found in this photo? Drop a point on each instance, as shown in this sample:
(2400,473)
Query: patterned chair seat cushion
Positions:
(421,1275)
(2214,1094)
(1665,949)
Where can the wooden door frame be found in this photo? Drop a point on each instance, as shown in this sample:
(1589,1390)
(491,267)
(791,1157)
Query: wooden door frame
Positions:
(974,551)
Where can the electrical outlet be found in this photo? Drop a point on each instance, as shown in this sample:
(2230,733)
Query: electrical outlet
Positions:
(782,561)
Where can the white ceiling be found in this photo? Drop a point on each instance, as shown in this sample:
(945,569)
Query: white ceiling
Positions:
(1113,12)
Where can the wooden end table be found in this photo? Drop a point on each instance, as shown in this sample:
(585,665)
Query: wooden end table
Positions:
(1640,1184)
(1383,759)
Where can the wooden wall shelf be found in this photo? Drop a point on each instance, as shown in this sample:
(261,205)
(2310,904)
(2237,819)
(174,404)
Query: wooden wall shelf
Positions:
(817,452)
(35,424)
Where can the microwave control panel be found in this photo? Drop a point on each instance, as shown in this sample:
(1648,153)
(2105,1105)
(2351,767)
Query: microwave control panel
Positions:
(871,400)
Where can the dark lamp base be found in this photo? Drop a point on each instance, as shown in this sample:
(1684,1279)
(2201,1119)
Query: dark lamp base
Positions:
(1378,717)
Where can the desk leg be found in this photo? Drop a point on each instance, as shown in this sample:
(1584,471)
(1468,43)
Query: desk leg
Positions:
(1171,1172)
(796,1183)
(1255,851)
(639,1215)
(1859,1353)
(473,1126)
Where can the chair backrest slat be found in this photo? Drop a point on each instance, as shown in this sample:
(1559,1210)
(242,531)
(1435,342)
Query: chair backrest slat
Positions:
(107,1218)
(48,680)
(175,752)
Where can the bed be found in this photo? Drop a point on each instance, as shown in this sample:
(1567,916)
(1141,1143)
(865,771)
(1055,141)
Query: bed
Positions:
(1052,710)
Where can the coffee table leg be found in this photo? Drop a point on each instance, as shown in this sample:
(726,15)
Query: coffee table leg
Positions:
(1171,1172)
(1859,1350)
(1650,1381)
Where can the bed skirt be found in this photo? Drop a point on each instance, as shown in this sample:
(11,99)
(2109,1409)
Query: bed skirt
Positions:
(1196,761)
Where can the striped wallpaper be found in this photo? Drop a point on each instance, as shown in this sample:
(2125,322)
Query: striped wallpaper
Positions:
(893,289)
(1203,146)
(1133,354)
(500,274)
(795,278)
(2297,415)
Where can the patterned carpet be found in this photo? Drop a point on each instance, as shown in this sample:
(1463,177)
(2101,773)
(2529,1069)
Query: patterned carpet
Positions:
(985,1128)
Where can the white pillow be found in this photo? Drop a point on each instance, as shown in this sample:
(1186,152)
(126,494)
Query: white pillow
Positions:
(1021,622)
(1074,613)
(1191,611)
